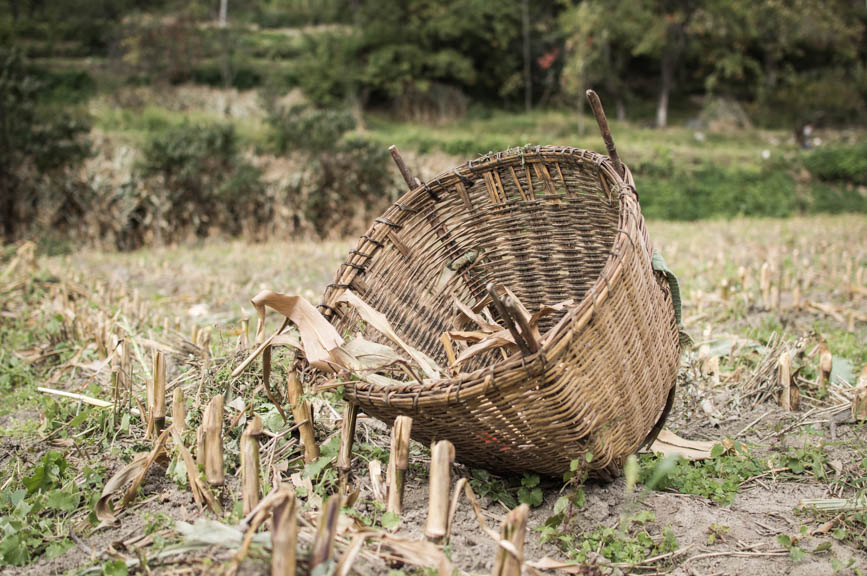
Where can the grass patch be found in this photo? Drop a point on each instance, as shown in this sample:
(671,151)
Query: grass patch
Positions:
(678,176)
(717,479)
(137,125)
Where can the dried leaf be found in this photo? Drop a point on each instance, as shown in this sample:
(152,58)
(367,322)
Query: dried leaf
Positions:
(362,354)
(154,453)
(496,340)
(120,479)
(318,336)
(200,490)
(547,310)
(380,322)
(475,317)
(416,552)
(548,563)
(74,396)
(668,443)
(215,533)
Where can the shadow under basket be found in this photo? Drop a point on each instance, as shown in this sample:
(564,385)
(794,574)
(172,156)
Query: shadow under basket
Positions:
(550,224)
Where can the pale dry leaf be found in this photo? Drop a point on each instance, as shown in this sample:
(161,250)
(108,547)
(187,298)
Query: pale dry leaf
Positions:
(363,354)
(120,479)
(73,396)
(669,444)
(416,552)
(547,310)
(380,322)
(476,318)
(318,336)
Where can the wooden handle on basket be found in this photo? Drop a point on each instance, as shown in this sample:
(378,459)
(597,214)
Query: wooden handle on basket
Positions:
(602,121)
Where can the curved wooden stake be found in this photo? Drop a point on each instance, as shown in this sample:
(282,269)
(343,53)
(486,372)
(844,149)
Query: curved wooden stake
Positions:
(602,121)
(401,165)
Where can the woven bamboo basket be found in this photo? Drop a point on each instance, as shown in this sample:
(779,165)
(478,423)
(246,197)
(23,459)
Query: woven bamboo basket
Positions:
(549,223)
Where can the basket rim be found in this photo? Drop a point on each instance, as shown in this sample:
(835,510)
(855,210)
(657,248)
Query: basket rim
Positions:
(474,383)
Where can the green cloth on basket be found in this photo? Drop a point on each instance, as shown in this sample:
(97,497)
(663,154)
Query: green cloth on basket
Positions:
(659,265)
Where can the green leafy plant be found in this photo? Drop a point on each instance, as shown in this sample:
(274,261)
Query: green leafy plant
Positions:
(30,516)
(716,532)
(201,181)
(718,478)
(630,542)
(324,476)
(486,485)
(807,459)
(790,543)
(39,147)
(563,510)
(530,493)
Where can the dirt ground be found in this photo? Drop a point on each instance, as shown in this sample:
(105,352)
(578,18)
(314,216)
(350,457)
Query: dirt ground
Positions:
(209,286)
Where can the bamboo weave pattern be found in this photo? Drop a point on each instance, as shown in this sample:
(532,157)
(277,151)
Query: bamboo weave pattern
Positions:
(549,223)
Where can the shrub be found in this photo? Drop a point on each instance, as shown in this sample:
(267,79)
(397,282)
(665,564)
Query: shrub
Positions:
(346,185)
(346,178)
(677,192)
(210,73)
(334,83)
(846,164)
(310,129)
(197,182)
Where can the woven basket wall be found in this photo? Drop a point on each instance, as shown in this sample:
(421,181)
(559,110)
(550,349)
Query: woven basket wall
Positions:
(550,223)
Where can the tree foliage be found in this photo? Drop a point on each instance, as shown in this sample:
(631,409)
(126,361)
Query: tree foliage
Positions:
(794,61)
(38,148)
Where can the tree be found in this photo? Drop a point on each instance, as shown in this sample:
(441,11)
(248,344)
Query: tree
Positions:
(664,36)
(38,147)
(598,42)
(409,48)
(798,60)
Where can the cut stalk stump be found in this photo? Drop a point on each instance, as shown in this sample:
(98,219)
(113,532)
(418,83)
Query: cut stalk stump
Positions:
(179,415)
(158,405)
(398,463)
(790,396)
(347,436)
(326,531)
(303,417)
(212,425)
(250,464)
(442,457)
(510,552)
(284,534)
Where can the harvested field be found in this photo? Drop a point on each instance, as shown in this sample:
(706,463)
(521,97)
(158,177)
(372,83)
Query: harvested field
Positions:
(754,290)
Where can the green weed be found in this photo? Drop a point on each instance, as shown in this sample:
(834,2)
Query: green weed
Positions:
(718,479)
(487,485)
(33,517)
(631,542)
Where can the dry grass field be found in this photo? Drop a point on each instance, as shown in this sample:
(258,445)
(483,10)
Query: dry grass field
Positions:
(753,290)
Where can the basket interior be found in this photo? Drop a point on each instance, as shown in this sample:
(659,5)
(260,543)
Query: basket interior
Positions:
(544,228)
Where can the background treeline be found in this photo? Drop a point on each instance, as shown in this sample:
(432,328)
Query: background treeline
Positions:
(335,80)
